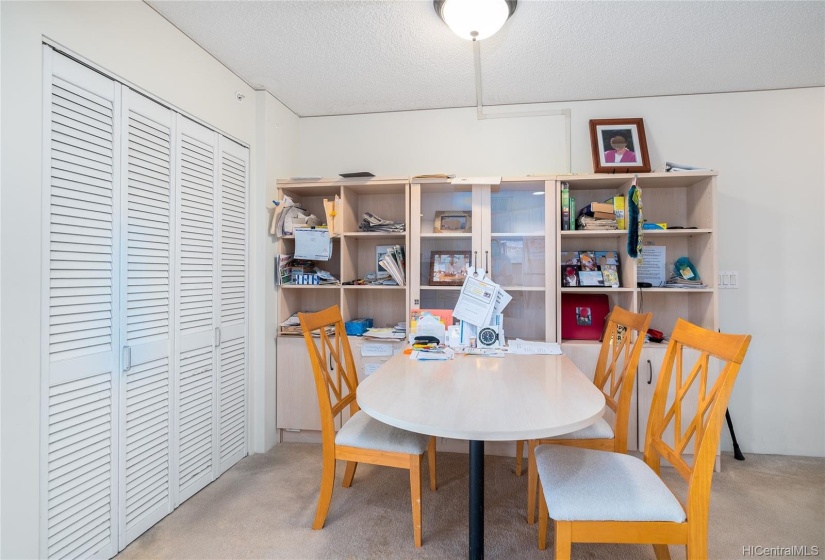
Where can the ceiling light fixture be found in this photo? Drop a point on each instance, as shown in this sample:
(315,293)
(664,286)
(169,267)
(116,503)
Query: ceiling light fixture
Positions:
(475,19)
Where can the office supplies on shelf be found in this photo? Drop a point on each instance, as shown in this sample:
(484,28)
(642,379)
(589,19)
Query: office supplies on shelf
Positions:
(356,174)
(371,222)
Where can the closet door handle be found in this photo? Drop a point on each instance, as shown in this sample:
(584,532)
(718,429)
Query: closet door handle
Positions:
(649,372)
(217,337)
(486,268)
(127,358)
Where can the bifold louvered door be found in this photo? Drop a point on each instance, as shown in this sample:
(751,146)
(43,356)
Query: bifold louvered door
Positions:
(197,302)
(80,324)
(146,315)
(232,350)
(144,321)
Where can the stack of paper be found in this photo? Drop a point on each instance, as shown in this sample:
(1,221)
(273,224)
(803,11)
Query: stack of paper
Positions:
(371,222)
(384,333)
(519,346)
(394,262)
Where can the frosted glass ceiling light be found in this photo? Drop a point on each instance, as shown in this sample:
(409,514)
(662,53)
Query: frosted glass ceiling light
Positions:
(474,19)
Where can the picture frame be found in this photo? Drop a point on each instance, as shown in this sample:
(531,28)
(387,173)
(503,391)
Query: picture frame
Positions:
(569,275)
(453,221)
(448,268)
(606,136)
(591,278)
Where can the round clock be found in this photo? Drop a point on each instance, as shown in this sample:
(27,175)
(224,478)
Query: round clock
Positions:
(487,336)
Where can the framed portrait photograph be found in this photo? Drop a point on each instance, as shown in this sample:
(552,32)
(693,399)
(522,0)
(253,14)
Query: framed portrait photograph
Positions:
(448,268)
(619,146)
(453,221)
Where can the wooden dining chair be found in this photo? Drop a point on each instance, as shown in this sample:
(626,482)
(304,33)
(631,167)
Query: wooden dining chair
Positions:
(361,439)
(598,497)
(615,377)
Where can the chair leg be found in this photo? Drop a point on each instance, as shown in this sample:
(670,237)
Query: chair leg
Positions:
(661,551)
(349,474)
(519,453)
(325,495)
(697,541)
(431,462)
(564,539)
(532,481)
(544,517)
(415,495)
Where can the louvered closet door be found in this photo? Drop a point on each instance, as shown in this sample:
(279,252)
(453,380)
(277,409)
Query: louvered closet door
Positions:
(80,346)
(146,404)
(196,303)
(232,352)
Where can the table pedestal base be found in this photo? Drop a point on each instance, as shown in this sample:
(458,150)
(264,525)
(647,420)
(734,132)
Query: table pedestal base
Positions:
(476,500)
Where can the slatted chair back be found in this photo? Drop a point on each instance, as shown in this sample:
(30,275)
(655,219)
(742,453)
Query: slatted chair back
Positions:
(615,372)
(692,356)
(333,367)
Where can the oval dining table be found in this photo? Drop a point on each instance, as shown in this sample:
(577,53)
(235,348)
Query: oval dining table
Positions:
(481,398)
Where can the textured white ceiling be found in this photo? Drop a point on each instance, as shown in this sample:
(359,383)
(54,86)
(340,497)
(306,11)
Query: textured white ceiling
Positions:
(332,57)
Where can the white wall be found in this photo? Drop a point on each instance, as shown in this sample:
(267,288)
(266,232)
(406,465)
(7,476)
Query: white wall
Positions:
(770,152)
(130,41)
(278,131)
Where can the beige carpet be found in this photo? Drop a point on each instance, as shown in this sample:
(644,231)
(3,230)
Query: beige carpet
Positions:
(264,506)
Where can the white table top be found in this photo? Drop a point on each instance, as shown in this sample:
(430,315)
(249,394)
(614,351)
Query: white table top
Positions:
(481,398)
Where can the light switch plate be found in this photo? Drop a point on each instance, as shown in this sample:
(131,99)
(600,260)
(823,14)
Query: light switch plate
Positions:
(728,280)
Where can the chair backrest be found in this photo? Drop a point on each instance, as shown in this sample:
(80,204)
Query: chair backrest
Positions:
(336,380)
(692,354)
(616,367)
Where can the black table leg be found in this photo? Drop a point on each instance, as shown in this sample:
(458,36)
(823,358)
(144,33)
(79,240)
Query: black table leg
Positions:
(476,500)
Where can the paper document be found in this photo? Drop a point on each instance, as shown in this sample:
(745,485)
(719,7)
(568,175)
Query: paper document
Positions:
(476,301)
(440,354)
(502,299)
(376,349)
(652,268)
(519,346)
(369,369)
(313,244)
(384,333)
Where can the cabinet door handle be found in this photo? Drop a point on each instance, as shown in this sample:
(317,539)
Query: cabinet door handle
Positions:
(486,268)
(649,372)
(127,358)
(475,263)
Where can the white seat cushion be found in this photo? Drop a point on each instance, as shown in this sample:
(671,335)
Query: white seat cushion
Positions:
(365,432)
(599,430)
(588,485)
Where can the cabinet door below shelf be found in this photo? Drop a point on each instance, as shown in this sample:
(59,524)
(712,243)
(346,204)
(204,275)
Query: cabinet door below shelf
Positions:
(297,399)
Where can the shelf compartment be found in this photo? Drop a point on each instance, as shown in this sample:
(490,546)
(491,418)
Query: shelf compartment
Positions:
(385,305)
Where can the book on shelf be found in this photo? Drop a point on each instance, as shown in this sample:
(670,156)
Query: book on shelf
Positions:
(591,223)
(618,210)
(604,207)
(565,207)
(572,213)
